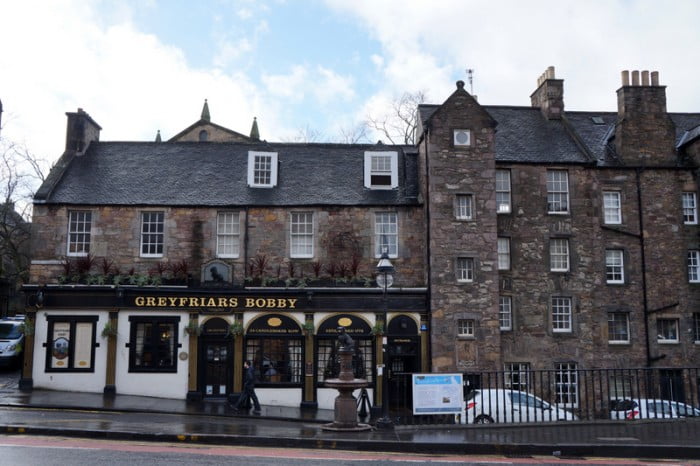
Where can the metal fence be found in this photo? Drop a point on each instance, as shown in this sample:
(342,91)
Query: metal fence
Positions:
(561,395)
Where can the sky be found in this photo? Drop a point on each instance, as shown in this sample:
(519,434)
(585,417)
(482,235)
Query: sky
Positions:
(139,66)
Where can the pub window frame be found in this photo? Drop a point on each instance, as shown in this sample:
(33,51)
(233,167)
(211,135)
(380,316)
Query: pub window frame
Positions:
(155,322)
(72,321)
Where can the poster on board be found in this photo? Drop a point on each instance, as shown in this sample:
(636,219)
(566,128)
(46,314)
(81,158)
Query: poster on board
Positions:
(437,394)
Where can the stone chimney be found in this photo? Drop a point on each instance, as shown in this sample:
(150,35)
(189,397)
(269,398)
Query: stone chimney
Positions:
(81,131)
(549,95)
(644,133)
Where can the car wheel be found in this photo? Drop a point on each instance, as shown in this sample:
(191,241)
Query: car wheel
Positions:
(483,419)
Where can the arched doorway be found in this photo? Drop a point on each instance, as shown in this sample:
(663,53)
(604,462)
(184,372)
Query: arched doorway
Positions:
(216,359)
(404,359)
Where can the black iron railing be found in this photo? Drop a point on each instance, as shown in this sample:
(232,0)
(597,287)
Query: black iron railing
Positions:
(565,395)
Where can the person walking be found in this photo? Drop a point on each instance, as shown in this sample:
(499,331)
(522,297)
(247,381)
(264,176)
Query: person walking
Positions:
(248,389)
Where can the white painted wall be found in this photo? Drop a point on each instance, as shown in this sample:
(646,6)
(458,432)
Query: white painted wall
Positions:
(93,382)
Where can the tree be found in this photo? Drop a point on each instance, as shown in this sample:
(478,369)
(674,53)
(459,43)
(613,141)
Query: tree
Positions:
(399,124)
(20,175)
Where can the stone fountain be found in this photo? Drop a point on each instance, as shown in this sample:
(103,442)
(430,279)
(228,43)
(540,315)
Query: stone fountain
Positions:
(345,404)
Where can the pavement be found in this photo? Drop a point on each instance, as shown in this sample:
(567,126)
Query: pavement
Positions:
(45,412)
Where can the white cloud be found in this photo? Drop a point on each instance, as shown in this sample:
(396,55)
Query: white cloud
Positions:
(510,43)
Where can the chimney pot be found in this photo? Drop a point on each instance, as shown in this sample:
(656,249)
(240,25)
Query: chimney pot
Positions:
(654,78)
(460,84)
(645,78)
(635,78)
(550,72)
(626,78)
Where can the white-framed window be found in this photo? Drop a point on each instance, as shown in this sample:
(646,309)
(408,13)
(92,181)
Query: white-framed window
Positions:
(464,207)
(465,328)
(503,205)
(612,208)
(461,137)
(381,170)
(690,208)
(614,266)
(79,227)
(694,266)
(228,234)
(667,330)
(561,314)
(262,169)
(503,253)
(559,255)
(618,327)
(516,375)
(152,228)
(465,269)
(696,327)
(566,384)
(505,313)
(386,234)
(301,230)
(557,192)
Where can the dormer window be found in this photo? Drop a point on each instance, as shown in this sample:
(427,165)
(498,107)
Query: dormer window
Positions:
(262,169)
(462,137)
(381,170)
(203,136)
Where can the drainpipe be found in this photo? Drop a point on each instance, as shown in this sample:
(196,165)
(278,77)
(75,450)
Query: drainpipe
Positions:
(429,280)
(245,245)
(645,303)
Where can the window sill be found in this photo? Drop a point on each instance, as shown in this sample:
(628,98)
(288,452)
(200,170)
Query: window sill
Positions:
(466,338)
(559,213)
(668,342)
(619,343)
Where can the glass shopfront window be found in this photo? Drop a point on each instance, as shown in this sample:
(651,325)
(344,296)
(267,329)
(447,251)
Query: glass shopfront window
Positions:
(327,360)
(275,345)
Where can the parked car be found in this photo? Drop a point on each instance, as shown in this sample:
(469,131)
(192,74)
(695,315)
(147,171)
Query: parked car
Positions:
(485,406)
(645,408)
(11,342)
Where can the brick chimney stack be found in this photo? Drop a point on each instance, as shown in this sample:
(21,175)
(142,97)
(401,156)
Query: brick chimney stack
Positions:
(81,131)
(644,133)
(549,95)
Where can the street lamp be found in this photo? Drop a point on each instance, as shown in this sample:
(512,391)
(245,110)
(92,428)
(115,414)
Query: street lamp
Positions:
(385,278)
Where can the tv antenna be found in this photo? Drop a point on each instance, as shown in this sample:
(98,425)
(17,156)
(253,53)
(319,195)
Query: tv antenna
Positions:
(470,77)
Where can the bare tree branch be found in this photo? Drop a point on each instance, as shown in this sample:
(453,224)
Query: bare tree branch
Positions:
(400,123)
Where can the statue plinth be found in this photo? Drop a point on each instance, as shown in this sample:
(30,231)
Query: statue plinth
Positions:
(345,404)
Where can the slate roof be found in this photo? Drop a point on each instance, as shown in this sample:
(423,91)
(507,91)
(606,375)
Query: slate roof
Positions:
(215,174)
(523,135)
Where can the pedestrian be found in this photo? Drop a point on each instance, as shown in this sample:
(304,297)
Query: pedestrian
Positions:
(248,389)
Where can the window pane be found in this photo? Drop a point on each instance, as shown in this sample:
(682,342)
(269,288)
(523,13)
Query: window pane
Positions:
(302,234)
(464,207)
(386,233)
(153,344)
(516,375)
(502,191)
(276,360)
(694,266)
(557,191)
(227,234)
(465,269)
(503,254)
(79,227)
(561,314)
(618,327)
(505,313)
(559,255)
(690,208)
(262,170)
(612,207)
(566,381)
(667,330)
(152,233)
(614,268)
(465,327)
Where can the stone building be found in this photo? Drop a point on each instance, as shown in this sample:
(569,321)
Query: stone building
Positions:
(523,238)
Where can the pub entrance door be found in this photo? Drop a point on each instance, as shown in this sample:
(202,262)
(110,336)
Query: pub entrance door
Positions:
(404,359)
(216,359)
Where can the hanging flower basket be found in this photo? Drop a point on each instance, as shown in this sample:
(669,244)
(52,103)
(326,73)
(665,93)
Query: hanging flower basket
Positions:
(27,327)
(235,329)
(308,327)
(109,330)
(378,329)
(193,329)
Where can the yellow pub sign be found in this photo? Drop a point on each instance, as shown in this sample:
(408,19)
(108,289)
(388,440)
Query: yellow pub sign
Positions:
(216,302)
